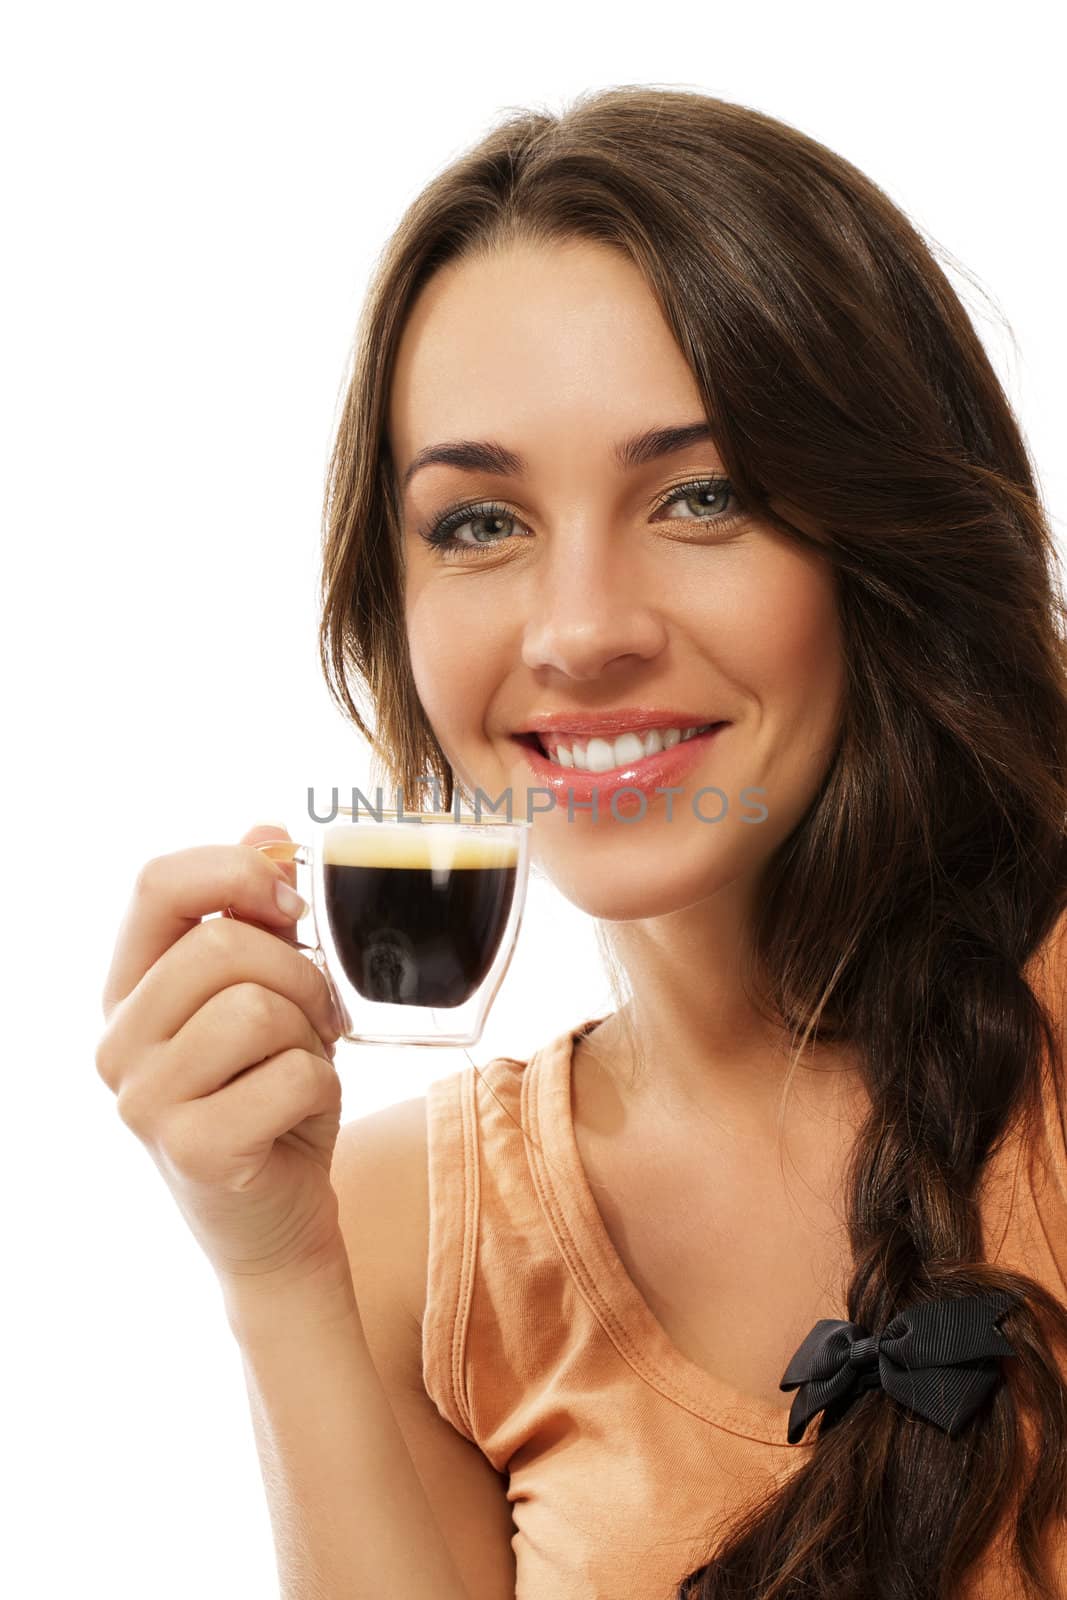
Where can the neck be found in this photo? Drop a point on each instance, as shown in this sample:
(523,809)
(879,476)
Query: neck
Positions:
(703,1045)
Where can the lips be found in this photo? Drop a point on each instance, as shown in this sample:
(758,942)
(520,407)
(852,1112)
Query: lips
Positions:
(607,724)
(664,769)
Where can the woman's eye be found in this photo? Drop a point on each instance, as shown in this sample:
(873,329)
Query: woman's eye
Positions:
(703,500)
(712,496)
(443,535)
(485,528)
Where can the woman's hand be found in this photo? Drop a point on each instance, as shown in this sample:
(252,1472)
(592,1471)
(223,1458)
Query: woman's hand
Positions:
(219,1046)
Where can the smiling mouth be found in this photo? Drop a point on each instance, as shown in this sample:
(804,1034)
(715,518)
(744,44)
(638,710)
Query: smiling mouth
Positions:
(602,758)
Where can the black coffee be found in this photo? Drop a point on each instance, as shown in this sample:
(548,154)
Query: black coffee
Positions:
(417,918)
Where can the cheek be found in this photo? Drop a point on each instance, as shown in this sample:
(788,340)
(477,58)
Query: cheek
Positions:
(451,657)
(780,629)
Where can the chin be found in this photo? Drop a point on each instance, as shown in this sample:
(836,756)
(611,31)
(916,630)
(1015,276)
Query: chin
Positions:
(639,884)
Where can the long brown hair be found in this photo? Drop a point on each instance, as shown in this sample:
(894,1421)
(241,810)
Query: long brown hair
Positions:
(856,410)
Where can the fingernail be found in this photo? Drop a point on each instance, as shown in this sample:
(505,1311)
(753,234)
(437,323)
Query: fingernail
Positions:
(289,902)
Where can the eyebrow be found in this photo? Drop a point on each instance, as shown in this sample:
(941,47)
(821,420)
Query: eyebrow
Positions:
(486,455)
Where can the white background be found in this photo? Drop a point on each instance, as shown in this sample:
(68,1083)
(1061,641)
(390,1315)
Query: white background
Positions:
(193,197)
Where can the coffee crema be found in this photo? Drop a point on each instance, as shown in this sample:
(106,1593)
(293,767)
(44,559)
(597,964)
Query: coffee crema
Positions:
(416,915)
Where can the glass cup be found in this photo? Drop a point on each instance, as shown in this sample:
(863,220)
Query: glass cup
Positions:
(415,920)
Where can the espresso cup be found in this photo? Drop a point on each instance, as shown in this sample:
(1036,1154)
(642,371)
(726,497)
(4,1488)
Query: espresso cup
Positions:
(415,920)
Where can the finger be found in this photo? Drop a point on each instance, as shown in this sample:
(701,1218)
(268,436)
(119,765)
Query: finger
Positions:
(210,957)
(173,892)
(232,1032)
(260,834)
(225,1138)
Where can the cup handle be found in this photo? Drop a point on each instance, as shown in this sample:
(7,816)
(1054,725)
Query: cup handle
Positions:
(285,850)
(289,850)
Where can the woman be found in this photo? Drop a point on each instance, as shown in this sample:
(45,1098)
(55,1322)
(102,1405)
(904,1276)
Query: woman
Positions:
(663,418)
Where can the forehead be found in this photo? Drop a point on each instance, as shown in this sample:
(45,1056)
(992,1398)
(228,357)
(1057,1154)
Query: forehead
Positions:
(539,341)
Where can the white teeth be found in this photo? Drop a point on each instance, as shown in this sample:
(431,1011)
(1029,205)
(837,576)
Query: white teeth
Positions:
(619,752)
(601,755)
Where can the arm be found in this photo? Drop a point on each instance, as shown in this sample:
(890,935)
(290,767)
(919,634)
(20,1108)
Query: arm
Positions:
(218,1050)
(350,1517)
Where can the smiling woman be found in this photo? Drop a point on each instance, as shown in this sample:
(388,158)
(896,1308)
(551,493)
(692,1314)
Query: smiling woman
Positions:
(622,562)
(671,468)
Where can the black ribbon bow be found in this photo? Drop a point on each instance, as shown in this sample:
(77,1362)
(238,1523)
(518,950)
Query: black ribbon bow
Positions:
(937,1358)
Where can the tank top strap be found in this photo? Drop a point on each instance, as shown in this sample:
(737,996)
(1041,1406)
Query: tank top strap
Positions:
(462,1116)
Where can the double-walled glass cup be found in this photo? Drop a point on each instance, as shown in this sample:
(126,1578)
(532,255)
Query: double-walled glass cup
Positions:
(415,920)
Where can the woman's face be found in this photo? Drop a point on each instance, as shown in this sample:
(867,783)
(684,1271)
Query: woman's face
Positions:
(583,592)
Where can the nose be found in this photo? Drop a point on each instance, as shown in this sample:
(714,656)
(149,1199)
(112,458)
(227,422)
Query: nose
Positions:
(588,612)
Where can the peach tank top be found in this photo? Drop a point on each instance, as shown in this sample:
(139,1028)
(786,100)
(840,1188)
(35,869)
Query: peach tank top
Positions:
(625,1462)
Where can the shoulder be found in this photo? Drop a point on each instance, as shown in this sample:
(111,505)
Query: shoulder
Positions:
(379,1174)
(394,1168)
(1047,974)
(402,1175)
